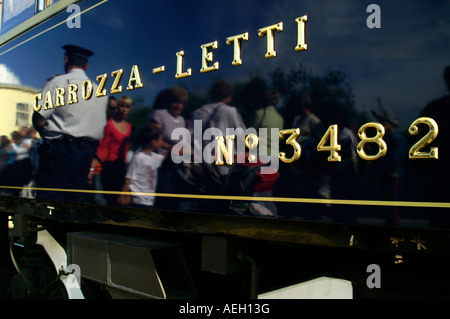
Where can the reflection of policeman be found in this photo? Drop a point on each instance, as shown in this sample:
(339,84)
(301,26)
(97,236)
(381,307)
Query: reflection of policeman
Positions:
(70,130)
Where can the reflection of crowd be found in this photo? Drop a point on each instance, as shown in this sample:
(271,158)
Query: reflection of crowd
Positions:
(109,170)
(168,117)
(112,150)
(19,161)
(151,169)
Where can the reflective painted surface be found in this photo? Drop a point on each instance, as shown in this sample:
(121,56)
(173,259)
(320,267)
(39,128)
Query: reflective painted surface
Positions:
(373,149)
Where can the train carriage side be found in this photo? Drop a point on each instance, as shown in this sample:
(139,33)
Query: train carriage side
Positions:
(226,150)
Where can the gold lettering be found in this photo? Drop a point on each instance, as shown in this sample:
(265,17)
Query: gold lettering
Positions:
(420,243)
(48,101)
(376,139)
(292,140)
(396,240)
(159,69)
(433,129)
(251,146)
(225,151)
(86,89)
(331,135)
(102,80)
(236,40)
(208,57)
(301,45)
(59,99)
(135,77)
(271,53)
(36,105)
(117,75)
(180,74)
(73,98)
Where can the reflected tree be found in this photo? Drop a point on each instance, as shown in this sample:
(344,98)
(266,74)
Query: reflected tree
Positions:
(332,96)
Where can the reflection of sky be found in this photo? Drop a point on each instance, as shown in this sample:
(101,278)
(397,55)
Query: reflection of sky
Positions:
(402,62)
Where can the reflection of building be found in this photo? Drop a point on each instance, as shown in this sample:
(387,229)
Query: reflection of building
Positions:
(16,107)
(1,12)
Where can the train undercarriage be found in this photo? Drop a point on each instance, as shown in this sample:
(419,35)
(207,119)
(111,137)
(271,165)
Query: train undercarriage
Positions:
(139,254)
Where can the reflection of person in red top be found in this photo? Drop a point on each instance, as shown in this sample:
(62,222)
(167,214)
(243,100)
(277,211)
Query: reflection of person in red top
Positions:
(113,148)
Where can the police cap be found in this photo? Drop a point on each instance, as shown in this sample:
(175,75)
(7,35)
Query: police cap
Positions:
(77,50)
(77,55)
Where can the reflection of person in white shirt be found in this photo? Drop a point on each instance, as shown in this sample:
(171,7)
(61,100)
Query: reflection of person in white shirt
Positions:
(23,168)
(142,173)
(70,128)
(309,124)
(218,115)
(169,117)
(20,146)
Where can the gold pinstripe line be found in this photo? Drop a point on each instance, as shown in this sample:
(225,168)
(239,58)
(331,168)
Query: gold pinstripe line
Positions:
(251,198)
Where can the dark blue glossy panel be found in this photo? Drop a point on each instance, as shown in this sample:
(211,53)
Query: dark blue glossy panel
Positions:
(359,58)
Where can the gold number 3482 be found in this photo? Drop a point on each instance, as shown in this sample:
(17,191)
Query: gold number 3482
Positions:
(329,141)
